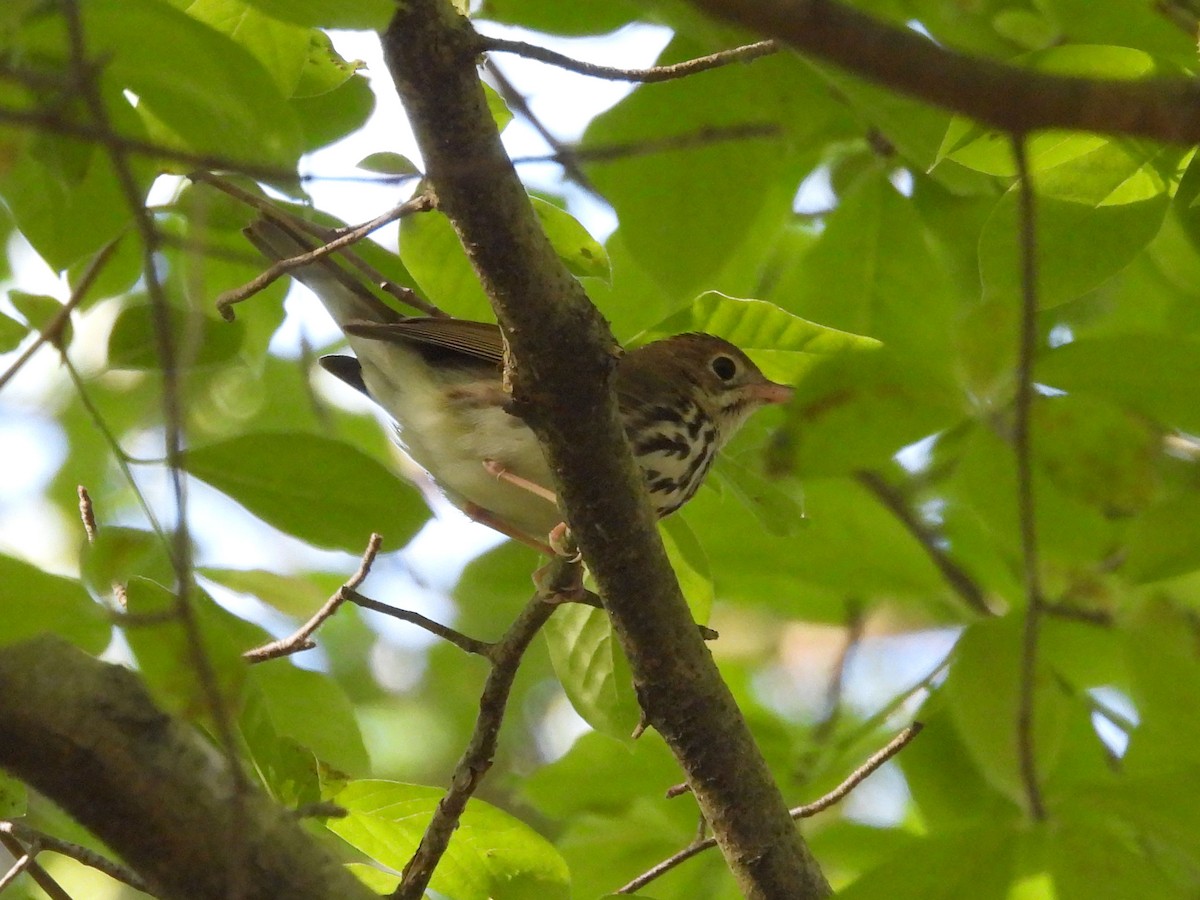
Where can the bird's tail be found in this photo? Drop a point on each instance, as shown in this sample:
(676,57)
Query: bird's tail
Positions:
(346,297)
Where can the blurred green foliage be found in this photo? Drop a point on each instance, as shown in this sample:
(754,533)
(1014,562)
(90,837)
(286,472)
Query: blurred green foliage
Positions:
(893,307)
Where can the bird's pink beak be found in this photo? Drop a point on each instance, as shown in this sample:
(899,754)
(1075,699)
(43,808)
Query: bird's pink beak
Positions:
(770,392)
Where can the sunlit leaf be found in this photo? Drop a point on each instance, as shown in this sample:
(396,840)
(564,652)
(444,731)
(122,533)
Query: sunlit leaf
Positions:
(317,489)
(492,854)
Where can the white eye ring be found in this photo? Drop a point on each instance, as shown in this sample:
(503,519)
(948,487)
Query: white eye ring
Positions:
(724,367)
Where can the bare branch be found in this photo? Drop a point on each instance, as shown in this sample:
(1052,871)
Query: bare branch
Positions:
(299,639)
(53,330)
(84,76)
(87,735)
(26,861)
(1026,510)
(1006,97)
(877,759)
(457,638)
(651,75)
(31,837)
(505,656)
(420,203)
(956,576)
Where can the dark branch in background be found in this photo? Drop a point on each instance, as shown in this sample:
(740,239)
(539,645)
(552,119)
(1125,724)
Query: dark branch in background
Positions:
(44,842)
(895,502)
(1026,511)
(1006,97)
(857,777)
(654,74)
(516,102)
(562,361)
(87,735)
(83,75)
(26,861)
(54,328)
(505,656)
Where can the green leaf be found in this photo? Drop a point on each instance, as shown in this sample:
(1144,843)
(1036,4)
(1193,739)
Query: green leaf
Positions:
(1089,861)
(312,710)
(14,798)
(582,254)
(12,333)
(319,490)
(332,115)
(501,114)
(978,863)
(982,694)
(39,311)
(682,184)
(166,653)
(281,47)
(855,411)
(387,162)
(492,856)
(592,669)
(199,339)
(690,563)
(430,250)
(35,602)
(119,554)
(372,15)
(873,271)
(298,596)
(1165,540)
(1094,215)
(783,344)
(196,88)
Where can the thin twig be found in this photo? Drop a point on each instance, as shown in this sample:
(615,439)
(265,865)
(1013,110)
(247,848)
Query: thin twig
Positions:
(457,638)
(21,863)
(52,123)
(53,329)
(517,102)
(40,876)
(299,639)
(420,203)
(321,233)
(894,501)
(77,852)
(505,656)
(84,76)
(123,459)
(1100,617)
(877,759)
(1023,449)
(859,775)
(745,53)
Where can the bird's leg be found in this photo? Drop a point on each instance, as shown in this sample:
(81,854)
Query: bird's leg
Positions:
(497,469)
(485,517)
(559,540)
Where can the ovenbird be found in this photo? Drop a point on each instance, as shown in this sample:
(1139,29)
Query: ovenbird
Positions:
(440,379)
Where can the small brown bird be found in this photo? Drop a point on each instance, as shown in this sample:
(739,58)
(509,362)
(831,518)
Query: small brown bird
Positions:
(681,399)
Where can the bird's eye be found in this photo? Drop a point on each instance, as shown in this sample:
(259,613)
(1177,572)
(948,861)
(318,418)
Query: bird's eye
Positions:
(724,367)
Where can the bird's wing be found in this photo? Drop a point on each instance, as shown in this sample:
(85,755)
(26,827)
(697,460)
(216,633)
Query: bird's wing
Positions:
(477,340)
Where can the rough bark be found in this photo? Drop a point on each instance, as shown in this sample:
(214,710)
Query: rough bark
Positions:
(1006,97)
(87,735)
(562,362)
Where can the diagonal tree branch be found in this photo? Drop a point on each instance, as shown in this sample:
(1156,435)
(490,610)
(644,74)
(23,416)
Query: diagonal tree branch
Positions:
(1005,97)
(562,356)
(87,735)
